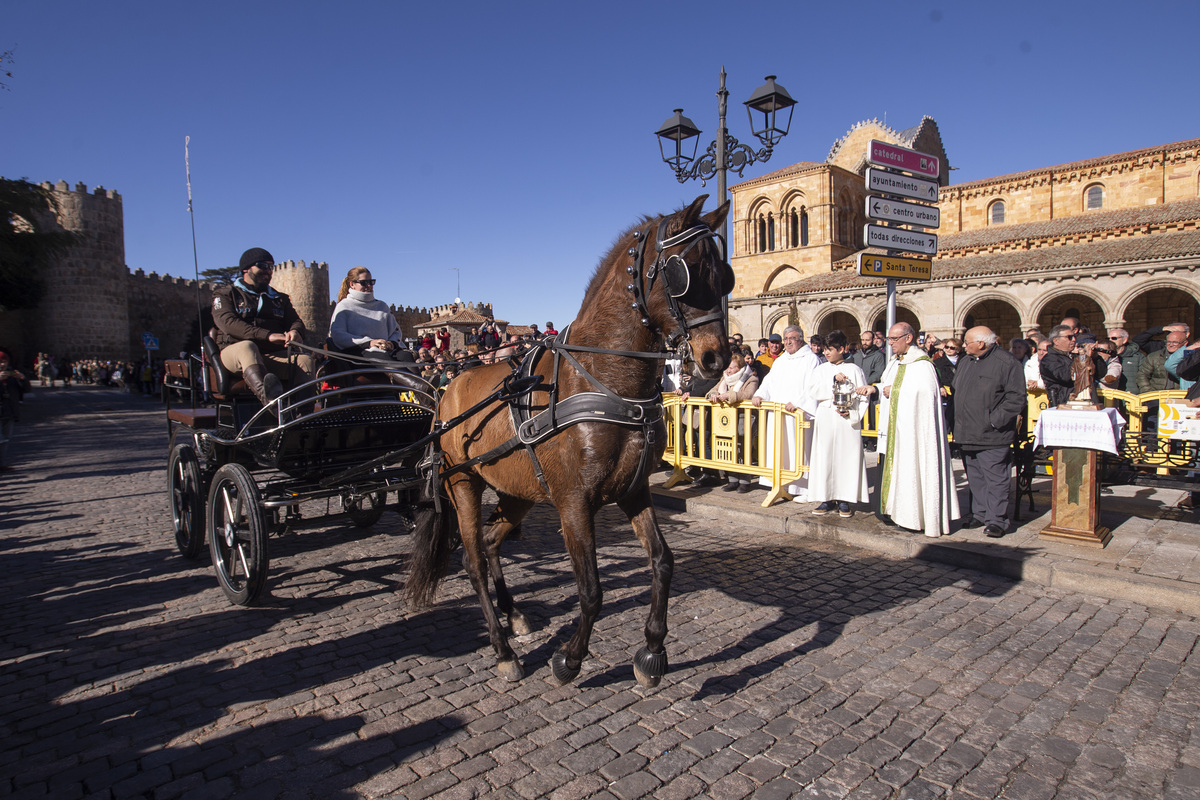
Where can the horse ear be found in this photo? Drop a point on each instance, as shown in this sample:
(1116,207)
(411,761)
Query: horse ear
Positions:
(716,219)
(692,213)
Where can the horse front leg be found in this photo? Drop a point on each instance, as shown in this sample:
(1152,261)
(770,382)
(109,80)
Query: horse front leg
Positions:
(507,515)
(579,534)
(466,493)
(650,663)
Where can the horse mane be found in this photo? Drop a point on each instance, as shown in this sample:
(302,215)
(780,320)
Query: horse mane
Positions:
(616,250)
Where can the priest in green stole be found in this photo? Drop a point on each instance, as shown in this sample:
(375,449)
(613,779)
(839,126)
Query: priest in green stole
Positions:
(916,483)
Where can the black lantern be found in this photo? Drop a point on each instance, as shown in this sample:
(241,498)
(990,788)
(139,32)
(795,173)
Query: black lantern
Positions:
(767,100)
(677,129)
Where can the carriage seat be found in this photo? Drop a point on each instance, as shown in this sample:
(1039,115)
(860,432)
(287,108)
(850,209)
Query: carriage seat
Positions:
(225,385)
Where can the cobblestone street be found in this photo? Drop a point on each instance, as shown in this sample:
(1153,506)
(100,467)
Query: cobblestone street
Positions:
(798,669)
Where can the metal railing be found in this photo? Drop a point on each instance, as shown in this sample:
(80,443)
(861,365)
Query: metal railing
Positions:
(734,437)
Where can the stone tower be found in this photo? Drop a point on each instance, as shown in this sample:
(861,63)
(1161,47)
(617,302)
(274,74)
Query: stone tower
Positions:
(85,311)
(308,287)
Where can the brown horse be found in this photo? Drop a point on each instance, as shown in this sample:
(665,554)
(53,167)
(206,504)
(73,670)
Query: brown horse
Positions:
(609,361)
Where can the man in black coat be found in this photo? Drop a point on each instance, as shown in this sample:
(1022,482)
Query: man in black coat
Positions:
(989,396)
(255,324)
(1055,366)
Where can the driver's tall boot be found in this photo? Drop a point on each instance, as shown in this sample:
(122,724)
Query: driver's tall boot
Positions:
(265,386)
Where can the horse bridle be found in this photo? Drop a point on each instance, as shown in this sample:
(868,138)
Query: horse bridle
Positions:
(676,274)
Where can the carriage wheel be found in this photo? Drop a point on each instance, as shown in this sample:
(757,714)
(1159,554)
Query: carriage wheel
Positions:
(365,510)
(185,491)
(237,534)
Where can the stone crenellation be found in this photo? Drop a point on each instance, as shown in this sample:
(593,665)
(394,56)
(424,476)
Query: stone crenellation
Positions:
(99,308)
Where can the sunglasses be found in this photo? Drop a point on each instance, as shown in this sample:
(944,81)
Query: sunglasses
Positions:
(368,282)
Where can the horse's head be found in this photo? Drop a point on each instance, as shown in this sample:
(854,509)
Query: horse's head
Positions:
(691,266)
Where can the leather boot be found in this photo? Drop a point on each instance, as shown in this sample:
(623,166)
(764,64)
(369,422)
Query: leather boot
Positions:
(262,384)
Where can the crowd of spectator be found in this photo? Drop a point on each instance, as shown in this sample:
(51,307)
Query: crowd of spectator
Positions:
(1158,358)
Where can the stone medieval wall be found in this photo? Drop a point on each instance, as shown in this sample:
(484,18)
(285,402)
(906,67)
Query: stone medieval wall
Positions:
(170,308)
(86,312)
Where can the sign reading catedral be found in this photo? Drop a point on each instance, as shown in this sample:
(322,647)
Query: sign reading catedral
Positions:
(892,238)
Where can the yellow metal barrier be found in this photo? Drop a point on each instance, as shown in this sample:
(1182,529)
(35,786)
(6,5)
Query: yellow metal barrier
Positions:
(717,443)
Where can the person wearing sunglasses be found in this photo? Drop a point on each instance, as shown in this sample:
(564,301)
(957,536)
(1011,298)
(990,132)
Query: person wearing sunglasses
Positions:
(1055,365)
(255,324)
(362,325)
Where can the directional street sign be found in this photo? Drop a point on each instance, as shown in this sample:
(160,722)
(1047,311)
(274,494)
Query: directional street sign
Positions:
(899,239)
(913,269)
(879,180)
(883,154)
(899,211)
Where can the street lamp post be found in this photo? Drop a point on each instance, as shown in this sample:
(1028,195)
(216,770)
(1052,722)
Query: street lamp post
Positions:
(726,153)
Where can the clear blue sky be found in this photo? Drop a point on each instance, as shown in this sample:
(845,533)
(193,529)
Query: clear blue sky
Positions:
(512,141)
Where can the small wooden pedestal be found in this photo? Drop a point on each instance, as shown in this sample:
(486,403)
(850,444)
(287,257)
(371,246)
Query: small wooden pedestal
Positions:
(1075,517)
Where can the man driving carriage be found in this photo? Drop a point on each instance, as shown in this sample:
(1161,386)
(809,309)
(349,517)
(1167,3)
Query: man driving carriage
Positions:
(255,324)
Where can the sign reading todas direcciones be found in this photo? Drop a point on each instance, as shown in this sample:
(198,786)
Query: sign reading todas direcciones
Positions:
(899,239)
(913,269)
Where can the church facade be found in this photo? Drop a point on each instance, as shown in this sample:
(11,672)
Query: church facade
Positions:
(1113,240)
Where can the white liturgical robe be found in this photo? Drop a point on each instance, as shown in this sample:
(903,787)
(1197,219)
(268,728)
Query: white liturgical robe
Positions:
(787,382)
(916,483)
(838,470)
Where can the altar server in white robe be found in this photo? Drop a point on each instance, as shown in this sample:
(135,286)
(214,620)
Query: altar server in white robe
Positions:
(916,483)
(837,473)
(787,383)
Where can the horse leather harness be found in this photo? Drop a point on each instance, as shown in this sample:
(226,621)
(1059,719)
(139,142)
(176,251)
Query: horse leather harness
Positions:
(602,405)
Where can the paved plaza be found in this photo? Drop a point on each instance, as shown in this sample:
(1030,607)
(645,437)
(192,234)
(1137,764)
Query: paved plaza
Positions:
(800,666)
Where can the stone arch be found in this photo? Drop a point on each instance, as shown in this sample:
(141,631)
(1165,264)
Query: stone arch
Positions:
(782,276)
(997,312)
(989,295)
(878,316)
(1088,304)
(1168,299)
(793,219)
(845,222)
(838,317)
(776,322)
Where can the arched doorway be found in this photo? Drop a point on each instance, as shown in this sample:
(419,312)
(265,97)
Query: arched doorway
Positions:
(902,315)
(1082,307)
(1159,307)
(839,321)
(998,315)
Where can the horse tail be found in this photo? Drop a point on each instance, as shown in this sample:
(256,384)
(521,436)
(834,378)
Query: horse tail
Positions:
(432,543)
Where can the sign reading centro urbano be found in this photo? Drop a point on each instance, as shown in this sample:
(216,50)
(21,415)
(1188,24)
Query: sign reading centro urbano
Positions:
(913,269)
(883,154)
(879,180)
(899,239)
(899,211)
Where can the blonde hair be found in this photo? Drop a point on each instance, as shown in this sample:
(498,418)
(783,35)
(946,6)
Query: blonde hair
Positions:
(351,276)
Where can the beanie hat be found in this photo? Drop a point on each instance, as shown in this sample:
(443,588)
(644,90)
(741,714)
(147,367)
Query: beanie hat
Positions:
(253,256)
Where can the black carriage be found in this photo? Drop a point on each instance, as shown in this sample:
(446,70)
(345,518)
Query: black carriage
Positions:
(238,470)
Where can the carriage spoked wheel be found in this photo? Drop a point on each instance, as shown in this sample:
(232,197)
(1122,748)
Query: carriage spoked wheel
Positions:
(186,493)
(237,534)
(365,510)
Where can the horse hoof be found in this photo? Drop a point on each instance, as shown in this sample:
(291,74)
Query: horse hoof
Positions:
(519,624)
(510,670)
(649,667)
(558,665)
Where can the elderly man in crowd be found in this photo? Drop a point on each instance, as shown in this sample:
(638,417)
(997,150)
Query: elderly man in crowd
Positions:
(989,394)
(916,487)
(787,383)
(1156,372)
(1131,357)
